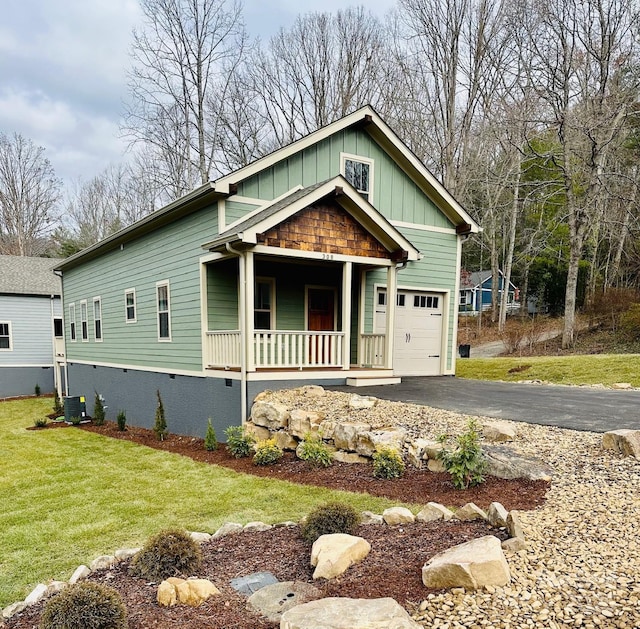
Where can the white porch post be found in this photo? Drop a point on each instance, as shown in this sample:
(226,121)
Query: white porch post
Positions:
(392,286)
(347,273)
(249,283)
(361,311)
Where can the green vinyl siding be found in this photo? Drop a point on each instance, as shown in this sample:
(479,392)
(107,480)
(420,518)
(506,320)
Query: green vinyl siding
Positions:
(234,210)
(395,195)
(170,253)
(222,295)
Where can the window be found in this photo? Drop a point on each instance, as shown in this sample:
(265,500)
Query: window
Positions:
(382,299)
(72,322)
(130,305)
(425,301)
(84,321)
(5,336)
(164,311)
(97,319)
(463,299)
(358,171)
(263,304)
(57,327)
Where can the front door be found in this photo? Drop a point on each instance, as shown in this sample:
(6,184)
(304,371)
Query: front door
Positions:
(321,317)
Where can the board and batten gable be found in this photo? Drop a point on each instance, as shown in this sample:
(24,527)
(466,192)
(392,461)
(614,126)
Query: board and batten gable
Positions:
(168,254)
(395,195)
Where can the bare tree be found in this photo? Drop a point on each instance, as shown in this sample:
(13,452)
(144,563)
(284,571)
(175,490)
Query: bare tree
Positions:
(29,196)
(183,59)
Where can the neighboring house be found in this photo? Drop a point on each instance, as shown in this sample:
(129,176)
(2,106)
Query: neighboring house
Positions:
(276,275)
(475,292)
(31,329)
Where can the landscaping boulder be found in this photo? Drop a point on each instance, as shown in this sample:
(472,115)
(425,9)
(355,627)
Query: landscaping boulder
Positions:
(503,462)
(332,554)
(79,574)
(348,457)
(271,415)
(259,433)
(348,613)
(499,431)
(469,512)
(302,423)
(433,511)
(624,441)
(228,528)
(284,440)
(368,517)
(398,515)
(417,452)
(369,441)
(360,402)
(514,527)
(497,515)
(471,565)
(192,592)
(346,434)
(273,600)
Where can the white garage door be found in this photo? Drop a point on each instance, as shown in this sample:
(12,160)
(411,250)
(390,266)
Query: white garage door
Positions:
(418,332)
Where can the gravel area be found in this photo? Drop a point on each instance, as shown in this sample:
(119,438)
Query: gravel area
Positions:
(582,564)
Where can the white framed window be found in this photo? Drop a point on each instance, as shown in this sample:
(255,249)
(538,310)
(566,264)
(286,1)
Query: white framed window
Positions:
(264,304)
(84,321)
(463,299)
(72,323)
(97,319)
(58,329)
(358,171)
(6,344)
(425,301)
(130,305)
(163,302)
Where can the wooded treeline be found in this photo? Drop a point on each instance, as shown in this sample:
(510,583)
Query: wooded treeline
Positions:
(527,110)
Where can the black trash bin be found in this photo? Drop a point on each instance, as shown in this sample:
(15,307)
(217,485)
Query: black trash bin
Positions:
(74,406)
(464,351)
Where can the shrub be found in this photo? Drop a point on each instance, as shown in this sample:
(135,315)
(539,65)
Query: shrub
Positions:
(465,463)
(210,439)
(75,421)
(36,390)
(387,463)
(58,407)
(630,322)
(267,452)
(160,427)
(85,605)
(98,410)
(40,422)
(122,421)
(168,554)
(238,441)
(315,451)
(333,517)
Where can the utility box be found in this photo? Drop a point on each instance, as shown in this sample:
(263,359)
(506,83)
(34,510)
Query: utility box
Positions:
(464,350)
(74,406)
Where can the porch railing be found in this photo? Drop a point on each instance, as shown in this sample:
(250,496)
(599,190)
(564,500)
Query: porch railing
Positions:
(372,350)
(276,349)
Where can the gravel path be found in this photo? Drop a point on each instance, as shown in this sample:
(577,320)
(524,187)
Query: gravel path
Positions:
(582,565)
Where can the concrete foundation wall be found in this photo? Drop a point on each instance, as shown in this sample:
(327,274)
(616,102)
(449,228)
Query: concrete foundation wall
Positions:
(17,381)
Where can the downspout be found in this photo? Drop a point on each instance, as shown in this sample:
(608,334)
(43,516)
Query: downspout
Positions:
(64,391)
(242,308)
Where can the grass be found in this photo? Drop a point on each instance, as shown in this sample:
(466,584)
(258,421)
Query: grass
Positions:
(575,370)
(68,496)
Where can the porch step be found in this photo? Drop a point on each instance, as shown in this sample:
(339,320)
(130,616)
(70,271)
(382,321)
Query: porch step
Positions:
(372,381)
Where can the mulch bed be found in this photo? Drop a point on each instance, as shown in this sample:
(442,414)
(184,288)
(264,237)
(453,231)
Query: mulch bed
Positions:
(393,568)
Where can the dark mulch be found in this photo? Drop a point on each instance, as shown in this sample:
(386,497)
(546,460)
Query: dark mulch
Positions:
(393,567)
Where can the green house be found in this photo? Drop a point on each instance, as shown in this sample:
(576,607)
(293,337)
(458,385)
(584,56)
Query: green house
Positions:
(333,260)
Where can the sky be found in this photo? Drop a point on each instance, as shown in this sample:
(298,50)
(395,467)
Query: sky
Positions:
(63,66)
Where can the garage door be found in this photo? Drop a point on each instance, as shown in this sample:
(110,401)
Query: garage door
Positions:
(418,331)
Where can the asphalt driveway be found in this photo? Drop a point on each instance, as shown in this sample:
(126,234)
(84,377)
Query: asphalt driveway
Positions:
(578,408)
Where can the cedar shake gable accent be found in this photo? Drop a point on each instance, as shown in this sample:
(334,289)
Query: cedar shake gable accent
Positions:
(324,227)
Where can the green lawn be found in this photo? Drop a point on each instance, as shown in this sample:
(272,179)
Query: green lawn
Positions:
(576,369)
(68,495)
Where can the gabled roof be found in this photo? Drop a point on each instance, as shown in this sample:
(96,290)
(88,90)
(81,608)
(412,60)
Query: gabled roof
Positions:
(367,118)
(344,194)
(21,275)
(477,278)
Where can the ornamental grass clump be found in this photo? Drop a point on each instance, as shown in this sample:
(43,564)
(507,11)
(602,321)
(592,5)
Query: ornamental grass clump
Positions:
(387,463)
(239,442)
(170,553)
(333,517)
(315,452)
(466,463)
(40,422)
(267,452)
(85,605)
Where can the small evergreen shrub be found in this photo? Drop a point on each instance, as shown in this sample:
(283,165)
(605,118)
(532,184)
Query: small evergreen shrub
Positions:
(387,463)
(85,605)
(315,451)
(121,419)
(333,517)
(98,410)
(267,452)
(40,422)
(75,421)
(465,463)
(239,442)
(58,407)
(36,390)
(210,439)
(170,553)
(160,427)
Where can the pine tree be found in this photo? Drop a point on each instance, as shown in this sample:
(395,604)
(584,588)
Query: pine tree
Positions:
(160,427)
(98,410)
